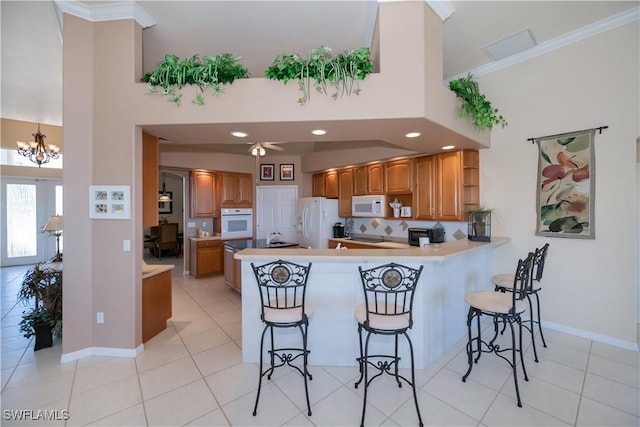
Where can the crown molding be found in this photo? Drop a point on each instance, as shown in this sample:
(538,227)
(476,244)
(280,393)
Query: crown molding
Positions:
(112,11)
(567,39)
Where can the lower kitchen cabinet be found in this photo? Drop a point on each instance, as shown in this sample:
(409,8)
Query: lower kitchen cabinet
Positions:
(232,273)
(206,257)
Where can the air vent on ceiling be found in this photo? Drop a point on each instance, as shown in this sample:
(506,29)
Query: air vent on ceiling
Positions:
(511,45)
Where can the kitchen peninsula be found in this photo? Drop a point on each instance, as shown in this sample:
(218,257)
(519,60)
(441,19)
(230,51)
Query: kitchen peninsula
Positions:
(450,270)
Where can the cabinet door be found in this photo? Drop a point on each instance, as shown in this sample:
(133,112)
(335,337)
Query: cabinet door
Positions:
(375,179)
(237,275)
(149,180)
(331,184)
(360,181)
(207,257)
(345,191)
(399,177)
(424,197)
(449,186)
(203,202)
(228,184)
(318,185)
(244,195)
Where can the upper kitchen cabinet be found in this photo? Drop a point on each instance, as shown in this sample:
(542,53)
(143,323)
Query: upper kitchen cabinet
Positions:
(331,190)
(318,185)
(150,158)
(236,190)
(345,191)
(203,200)
(398,177)
(447,185)
(368,179)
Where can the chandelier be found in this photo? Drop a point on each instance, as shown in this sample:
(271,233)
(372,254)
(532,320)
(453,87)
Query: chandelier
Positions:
(37,151)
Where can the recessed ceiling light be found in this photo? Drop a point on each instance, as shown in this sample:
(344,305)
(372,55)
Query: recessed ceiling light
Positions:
(413,134)
(448,147)
(239,134)
(318,131)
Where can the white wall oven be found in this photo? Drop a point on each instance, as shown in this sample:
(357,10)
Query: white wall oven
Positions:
(237,223)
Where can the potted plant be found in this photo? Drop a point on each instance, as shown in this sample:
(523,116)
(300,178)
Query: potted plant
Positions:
(42,287)
(172,74)
(475,104)
(479,228)
(328,73)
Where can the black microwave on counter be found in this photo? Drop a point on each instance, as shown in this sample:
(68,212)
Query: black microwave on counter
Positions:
(435,235)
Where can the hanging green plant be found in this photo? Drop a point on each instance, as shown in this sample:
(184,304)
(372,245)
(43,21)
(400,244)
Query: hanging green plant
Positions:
(171,75)
(475,104)
(336,75)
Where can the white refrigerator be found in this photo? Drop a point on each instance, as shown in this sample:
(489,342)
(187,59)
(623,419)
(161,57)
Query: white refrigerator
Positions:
(316,217)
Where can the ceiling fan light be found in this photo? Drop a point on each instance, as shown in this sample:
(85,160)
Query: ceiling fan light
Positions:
(258,151)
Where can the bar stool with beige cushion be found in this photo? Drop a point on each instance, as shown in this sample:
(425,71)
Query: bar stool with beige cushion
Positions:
(504,283)
(283,287)
(501,307)
(388,295)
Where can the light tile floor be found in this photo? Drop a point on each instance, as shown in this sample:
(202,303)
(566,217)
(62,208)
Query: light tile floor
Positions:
(192,374)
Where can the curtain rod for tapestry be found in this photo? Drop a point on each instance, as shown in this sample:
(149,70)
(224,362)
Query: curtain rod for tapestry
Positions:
(599,129)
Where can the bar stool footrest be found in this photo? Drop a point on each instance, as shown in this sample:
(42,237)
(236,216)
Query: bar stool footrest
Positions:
(287,356)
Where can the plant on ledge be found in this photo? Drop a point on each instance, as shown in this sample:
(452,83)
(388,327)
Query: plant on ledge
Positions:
(475,104)
(171,75)
(338,74)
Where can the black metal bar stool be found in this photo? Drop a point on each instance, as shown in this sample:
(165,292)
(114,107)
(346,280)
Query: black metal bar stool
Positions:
(283,287)
(502,307)
(388,296)
(504,282)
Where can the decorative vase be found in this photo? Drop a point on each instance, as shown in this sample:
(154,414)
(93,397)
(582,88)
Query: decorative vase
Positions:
(44,338)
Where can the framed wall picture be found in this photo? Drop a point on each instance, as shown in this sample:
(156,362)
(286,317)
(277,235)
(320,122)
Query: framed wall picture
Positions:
(286,172)
(110,202)
(267,171)
(166,207)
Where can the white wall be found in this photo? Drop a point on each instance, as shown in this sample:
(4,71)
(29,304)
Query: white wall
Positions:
(590,286)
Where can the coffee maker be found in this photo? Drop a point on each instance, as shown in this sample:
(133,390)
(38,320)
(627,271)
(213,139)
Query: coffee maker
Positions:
(338,230)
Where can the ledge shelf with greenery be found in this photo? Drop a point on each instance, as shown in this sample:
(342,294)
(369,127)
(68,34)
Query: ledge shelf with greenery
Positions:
(475,104)
(337,75)
(172,74)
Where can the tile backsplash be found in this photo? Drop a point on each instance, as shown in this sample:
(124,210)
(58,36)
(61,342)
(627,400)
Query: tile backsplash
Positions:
(397,228)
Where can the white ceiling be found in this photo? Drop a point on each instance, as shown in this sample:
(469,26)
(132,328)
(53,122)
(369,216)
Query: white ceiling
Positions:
(260,30)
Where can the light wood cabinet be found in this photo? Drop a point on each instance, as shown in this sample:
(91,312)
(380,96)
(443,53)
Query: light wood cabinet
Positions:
(236,190)
(318,189)
(150,158)
(203,200)
(368,180)
(232,269)
(331,190)
(398,177)
(345,191)
(207,257)
(447,185)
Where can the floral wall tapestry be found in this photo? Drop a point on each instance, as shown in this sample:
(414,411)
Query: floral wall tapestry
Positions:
(566,185)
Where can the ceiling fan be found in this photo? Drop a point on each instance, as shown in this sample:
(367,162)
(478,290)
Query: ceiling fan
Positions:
(258,148)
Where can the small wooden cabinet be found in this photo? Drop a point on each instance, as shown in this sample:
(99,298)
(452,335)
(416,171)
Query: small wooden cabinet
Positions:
(203,189)
(331,190)
(206,257)
(232,269)
(156,304)
(236,190)
(368,180)
(318,189)
(345,191)
(398,177)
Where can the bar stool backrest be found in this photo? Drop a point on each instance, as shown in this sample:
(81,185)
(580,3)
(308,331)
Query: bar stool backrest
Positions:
(538,262)
(389,290)
(521,283)
(282,285)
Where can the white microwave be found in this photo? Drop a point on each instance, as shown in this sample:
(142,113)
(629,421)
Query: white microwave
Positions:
(367,206)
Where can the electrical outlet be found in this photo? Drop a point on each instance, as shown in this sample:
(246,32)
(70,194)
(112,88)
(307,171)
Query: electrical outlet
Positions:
(100,317)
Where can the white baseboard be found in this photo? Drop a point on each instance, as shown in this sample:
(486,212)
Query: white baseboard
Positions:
(628,345)
(101,351)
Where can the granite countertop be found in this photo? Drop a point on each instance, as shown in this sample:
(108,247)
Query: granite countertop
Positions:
(258,244)
(202,239)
